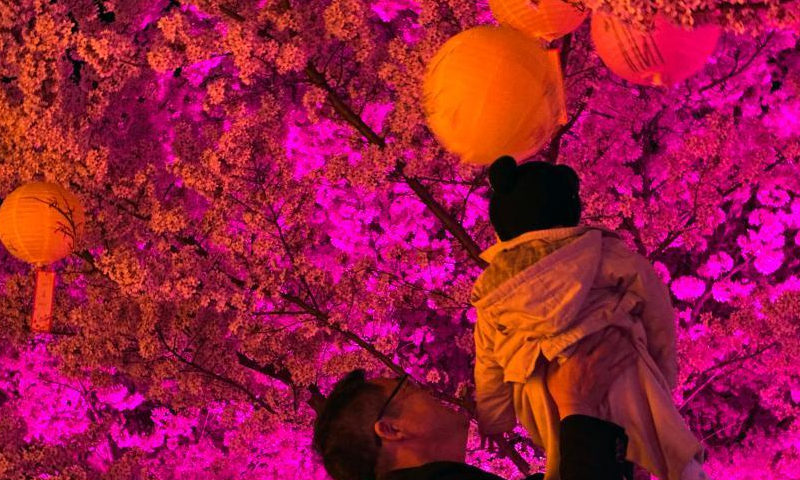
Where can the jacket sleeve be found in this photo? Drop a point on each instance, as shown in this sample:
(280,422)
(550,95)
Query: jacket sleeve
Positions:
(658,319)
(592,449)
(495,405)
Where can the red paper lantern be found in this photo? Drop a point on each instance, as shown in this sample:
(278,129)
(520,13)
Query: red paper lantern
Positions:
(665,55)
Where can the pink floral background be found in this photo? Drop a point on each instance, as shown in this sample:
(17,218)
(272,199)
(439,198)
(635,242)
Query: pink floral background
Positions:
(267,210)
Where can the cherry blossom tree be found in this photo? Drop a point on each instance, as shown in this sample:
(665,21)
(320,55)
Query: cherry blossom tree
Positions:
(267,210)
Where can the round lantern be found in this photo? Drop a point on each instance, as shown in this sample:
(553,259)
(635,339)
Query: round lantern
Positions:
(493,91)
(40,222)
(547,19)
(665,55)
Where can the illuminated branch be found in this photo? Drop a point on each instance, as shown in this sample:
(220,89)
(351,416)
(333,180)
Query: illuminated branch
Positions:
(283,375)
(351,117)
(736,70)
(693,393)
(447,219)
(698,306)
(216,376)
(552,152)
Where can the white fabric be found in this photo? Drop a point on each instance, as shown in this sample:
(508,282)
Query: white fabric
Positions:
(589,284)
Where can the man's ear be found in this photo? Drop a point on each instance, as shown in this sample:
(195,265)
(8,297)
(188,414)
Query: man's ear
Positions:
(388,430)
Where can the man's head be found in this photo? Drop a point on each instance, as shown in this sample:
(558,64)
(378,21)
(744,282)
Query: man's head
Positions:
(414,428)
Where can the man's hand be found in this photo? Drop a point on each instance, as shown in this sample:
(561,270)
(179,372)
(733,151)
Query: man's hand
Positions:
(580,383)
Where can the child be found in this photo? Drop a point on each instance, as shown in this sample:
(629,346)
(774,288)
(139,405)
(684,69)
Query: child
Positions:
(552,283)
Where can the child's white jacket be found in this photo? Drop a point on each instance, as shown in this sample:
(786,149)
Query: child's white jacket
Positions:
(565,284)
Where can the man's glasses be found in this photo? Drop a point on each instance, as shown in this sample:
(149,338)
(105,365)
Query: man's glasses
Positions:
(452,403)
(394,393)
(386,404)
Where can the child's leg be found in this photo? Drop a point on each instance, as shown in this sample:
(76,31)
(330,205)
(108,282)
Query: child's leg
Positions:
(537,412)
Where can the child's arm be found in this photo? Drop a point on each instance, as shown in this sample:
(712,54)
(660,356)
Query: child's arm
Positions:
(495,405)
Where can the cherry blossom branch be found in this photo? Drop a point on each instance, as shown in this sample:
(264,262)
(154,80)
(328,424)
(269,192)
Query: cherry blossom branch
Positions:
(553,150)
(351,117)
(216,376)
(741,424)
(413,286)
(284,376)
(694,392)
(285,243)
(348,115)
(231,13)
(279,373)
(325,320)
(700,303)
(672,236)
(736,70)
(94,414)
(563,54)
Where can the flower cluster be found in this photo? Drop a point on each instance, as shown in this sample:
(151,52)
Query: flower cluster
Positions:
(267,211)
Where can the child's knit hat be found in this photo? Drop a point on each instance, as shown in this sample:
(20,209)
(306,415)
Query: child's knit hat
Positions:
(532,196)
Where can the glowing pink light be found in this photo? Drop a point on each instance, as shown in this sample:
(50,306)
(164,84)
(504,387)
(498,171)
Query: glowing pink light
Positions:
(387,10)
(688,287)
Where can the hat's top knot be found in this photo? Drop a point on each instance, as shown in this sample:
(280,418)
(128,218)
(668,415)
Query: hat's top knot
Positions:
(503,174)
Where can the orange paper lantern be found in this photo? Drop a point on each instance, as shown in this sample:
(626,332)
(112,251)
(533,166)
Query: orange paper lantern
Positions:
(547,19)
(665,55)
(40,222)
(493,91)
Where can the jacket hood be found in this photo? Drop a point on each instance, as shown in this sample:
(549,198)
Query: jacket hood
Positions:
(546,297)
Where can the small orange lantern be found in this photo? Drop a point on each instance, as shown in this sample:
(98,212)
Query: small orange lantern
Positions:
(493,91)
(40,223)
(665,55)
(546,19)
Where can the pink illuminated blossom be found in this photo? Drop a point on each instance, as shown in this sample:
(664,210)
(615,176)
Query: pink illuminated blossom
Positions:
(268,210)
(688,287)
